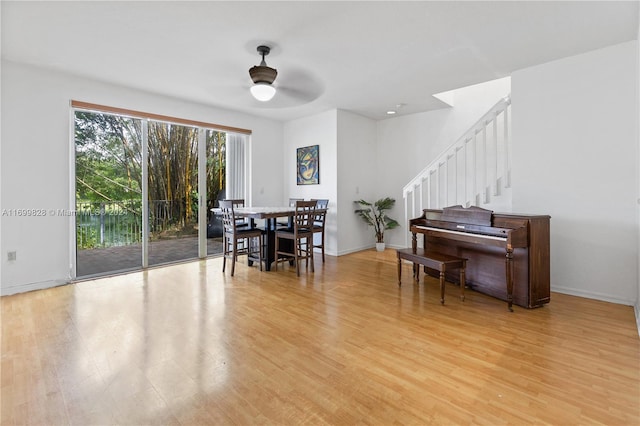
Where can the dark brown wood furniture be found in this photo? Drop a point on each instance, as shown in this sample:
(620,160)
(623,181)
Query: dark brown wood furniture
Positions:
(300,235)
(508,253)
(433,260)
(238,203)
(292,204)
(238,239)
(269,215)
(318,222)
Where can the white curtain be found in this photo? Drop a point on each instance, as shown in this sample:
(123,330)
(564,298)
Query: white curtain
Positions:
(236,166)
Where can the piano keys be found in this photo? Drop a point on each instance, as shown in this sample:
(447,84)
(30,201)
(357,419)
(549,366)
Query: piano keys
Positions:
(508,253)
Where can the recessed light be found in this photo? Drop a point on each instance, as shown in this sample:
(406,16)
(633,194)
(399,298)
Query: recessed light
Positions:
(391,112)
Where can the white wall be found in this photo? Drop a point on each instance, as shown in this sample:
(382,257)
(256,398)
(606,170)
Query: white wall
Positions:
(407,144)
(357,179)
(36,153)
(2,252)
(575,157)
(347,172)
(319,129)
(637,307)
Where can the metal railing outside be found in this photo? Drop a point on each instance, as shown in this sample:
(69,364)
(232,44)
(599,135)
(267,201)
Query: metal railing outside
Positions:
(119,223)
(108,224)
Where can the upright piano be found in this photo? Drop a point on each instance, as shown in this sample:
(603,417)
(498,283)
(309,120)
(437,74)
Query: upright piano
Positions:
(508,254)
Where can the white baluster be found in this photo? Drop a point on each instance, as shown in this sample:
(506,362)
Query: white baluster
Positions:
(507,151)
(406,221)
(421,197)
(414,198)
(494,181)
(437,206)
(485,198)
(429,191)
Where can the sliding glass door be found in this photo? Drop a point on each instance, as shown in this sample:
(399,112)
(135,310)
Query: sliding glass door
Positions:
(146,190)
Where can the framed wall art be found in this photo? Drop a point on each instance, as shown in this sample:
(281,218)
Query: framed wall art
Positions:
(308,165)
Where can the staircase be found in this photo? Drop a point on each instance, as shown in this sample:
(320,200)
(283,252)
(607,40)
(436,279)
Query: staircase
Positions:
(473,171)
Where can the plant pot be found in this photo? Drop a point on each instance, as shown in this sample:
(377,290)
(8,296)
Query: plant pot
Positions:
(380,246)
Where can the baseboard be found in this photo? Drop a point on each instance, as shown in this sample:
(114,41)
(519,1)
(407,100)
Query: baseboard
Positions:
(354,250)
(23,288)
(394,246)
(368,247)
(637,309)
(594,295)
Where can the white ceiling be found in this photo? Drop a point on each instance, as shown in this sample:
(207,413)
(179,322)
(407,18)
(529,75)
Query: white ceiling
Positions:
(365,57)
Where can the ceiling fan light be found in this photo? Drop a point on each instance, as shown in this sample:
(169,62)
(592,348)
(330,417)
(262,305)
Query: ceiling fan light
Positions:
(263,91)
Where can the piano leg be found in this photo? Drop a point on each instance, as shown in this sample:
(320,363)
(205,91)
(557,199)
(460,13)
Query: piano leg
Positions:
(462,281)
(442,285)
(416,267)
(509,272)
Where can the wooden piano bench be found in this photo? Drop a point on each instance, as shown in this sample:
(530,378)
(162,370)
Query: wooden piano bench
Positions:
(434,260)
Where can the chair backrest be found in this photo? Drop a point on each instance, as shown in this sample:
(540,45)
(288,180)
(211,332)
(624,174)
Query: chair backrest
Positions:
(305,215)
(293,201)
(321,203)
(228,216)
(321,212)
(235,204)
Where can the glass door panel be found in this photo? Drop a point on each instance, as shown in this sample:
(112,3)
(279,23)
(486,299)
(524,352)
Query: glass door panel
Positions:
(173,192)
(215,170)
(108,176)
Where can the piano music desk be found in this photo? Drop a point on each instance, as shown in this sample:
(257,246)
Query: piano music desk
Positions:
(433,260)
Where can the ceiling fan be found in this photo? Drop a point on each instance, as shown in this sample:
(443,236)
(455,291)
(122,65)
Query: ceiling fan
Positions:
(263,77)
(296,85)
(291,85)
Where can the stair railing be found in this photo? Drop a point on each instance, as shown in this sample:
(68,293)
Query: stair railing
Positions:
(472,171)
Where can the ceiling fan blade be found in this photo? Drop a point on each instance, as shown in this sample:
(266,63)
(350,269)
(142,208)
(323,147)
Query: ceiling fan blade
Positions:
(295,87)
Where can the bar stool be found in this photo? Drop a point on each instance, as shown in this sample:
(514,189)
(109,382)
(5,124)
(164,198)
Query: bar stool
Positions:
(238,238)
(300,235)
(318,222)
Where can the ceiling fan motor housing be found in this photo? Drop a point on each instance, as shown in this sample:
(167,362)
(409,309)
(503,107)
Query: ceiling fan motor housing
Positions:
(263,73)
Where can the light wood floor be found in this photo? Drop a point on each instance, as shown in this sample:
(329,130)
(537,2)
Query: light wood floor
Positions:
(189,345)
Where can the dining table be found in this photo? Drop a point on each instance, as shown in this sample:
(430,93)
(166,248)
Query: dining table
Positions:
(269,215)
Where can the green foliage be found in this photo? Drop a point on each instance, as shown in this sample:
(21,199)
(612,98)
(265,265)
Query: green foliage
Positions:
(216,166)
(374,215)
(108,157)
(86,238)
(108,224)
(109,168)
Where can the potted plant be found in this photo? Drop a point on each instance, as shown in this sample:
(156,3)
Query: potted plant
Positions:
(374,215)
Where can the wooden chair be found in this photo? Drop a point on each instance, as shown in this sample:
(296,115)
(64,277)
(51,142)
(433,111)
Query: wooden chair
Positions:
(318,222)
(292,203)
(300,236)
(240,221)
(238,238)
